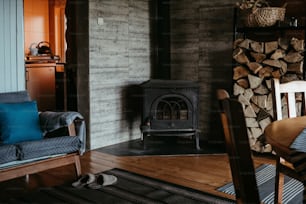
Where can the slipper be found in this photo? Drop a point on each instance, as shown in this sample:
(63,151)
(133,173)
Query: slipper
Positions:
(103,180)
(84,180)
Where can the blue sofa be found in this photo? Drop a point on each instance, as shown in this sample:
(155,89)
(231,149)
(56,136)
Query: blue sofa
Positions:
(60,140)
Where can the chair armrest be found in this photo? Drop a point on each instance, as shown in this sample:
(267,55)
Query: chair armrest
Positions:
(71,129)
(74,121)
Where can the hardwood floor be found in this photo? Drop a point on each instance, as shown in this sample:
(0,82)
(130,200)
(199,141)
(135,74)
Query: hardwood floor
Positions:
(200,172)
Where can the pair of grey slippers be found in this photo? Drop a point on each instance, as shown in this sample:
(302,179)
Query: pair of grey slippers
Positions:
(95,181)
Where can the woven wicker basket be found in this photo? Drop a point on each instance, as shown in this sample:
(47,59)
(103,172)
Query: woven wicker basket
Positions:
(264,17)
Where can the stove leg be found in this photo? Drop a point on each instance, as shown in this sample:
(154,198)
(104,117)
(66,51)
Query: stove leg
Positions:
(144,140)
(197,140)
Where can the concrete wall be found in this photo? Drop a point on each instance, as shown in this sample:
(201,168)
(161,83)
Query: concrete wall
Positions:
(120,53)
(119,58)
(119,43)
(201,49)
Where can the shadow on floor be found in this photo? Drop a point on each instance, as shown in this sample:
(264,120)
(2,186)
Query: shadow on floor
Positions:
(161,146)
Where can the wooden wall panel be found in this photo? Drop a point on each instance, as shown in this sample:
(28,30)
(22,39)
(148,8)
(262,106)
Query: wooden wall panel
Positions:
(12,69)
(36,23)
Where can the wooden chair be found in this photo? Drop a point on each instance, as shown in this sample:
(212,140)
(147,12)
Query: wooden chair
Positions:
(290,90)
(283,131)
(238,149)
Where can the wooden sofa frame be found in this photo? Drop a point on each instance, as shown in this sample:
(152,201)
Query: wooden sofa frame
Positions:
(45,164)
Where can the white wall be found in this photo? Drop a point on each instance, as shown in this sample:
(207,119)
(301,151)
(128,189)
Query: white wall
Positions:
(12,77)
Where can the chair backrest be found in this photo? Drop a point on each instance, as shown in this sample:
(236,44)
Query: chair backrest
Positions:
(294,93)
(238,149)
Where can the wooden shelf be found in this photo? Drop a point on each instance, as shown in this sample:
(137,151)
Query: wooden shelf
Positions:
(270,29)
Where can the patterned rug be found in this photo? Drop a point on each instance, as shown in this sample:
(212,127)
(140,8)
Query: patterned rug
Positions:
(130,188)
(292,193)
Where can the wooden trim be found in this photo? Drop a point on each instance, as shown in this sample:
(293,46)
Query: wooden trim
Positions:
(42,165)
(71,129)
(277,96)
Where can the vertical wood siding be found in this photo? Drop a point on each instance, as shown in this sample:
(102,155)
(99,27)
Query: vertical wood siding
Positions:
(12,77)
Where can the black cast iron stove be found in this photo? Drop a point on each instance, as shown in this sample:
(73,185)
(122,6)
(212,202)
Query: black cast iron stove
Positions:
(170,108)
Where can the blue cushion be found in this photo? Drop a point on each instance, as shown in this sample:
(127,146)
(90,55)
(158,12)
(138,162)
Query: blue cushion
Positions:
(299,143)
(19,122)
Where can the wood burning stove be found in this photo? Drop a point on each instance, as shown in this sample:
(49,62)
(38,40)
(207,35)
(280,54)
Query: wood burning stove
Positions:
(170,108)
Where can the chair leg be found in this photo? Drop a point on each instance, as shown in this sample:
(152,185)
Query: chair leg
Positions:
(279,183)
(281,187)
(144,140)
(197,141)
(304,193)
(27,178)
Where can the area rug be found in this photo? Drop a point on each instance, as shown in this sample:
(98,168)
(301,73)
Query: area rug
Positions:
(265,176)
(130,188)
(161,146)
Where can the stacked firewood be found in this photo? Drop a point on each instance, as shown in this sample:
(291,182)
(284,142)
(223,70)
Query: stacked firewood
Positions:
(256,64)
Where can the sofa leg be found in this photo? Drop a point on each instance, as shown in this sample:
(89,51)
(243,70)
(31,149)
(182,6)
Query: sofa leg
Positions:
(27,178)
(77,164)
